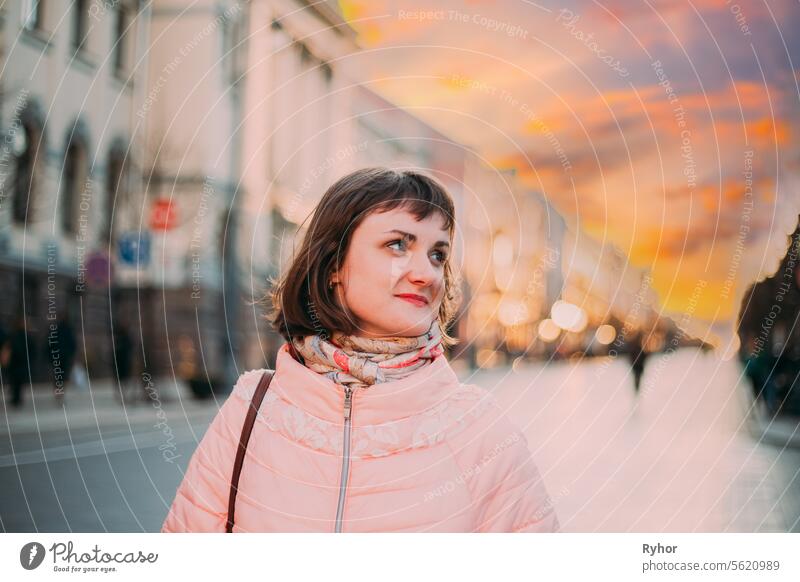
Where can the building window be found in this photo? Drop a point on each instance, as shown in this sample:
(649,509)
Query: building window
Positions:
(73,183)
(115,191)
(30,284)
(26,149)
(224,236)
(234,47)
(79,24)
(228,42)
(32,14)
(120,40)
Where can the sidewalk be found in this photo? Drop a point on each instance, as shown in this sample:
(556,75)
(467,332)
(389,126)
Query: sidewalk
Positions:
(100,406)
(779,431)
(683,457)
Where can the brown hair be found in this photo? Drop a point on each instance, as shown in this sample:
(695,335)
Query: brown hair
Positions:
(301,301)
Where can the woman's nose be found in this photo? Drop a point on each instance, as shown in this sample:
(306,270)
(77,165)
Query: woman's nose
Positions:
(420,269)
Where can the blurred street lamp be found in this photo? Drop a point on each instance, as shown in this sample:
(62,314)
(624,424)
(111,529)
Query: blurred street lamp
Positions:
(512,312)
(605,334)
(548,330)
(502,251)
(569,317)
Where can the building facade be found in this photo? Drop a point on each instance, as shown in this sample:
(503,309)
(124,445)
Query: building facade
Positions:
(185,225)
(69,87)
(161,160)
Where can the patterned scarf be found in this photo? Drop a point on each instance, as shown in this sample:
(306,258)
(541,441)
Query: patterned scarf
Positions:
(359,362)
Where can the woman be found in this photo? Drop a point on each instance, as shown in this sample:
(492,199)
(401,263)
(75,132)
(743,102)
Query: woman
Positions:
(365,426)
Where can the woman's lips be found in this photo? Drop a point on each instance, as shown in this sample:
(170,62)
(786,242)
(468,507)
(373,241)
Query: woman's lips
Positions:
(414,300)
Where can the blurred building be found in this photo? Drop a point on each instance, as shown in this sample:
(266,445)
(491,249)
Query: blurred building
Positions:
(179,256)
(72,75)
(512,244)
(165,177)
(307,123)
(537,286)
(603,289)
(769,337)
(293,146)
(388,135)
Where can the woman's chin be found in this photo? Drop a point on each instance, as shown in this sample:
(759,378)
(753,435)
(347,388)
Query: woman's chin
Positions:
(399,328)
(413,328)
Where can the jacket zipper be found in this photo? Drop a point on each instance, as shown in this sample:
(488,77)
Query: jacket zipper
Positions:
(348,408)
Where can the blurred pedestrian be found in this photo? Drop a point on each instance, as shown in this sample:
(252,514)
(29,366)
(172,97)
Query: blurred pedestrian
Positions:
(637,355)
(3,338)
(16,360)
(79,379)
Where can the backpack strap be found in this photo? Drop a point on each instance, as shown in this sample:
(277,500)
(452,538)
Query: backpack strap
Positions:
(249,421)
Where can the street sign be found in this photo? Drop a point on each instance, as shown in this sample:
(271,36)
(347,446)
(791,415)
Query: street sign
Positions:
(163,215)
(98,269)
(134,248)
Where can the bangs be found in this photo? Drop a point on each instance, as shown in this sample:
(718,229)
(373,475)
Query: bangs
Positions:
(422,198)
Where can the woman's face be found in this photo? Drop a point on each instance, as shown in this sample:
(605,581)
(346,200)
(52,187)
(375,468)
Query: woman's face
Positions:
(392,279)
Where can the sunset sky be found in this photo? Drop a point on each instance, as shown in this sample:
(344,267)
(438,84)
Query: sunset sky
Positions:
(639,121)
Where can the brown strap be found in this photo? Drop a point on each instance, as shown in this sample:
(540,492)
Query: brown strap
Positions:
(249,421)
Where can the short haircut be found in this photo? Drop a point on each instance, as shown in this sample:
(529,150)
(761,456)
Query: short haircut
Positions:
(300,301)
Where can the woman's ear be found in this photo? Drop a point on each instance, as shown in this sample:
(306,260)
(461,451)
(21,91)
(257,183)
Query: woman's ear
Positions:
(334,278)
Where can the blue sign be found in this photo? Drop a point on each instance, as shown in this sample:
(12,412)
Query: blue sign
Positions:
(134,248)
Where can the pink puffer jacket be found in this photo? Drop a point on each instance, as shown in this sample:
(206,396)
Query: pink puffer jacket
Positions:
(424,453)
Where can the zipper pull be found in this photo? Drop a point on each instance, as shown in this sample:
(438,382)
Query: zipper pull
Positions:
(348,402)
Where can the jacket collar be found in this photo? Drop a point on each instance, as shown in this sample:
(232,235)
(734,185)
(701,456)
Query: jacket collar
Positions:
(379,403)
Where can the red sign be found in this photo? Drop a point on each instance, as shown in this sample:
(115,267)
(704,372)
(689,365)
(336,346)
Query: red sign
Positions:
(163,216)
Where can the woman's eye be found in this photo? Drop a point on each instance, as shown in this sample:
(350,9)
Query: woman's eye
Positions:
(402,245)
(400,242)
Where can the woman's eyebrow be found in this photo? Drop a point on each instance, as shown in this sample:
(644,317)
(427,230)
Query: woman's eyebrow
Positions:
(413,237)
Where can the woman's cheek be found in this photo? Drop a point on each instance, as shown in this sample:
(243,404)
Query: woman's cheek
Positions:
(439,294)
